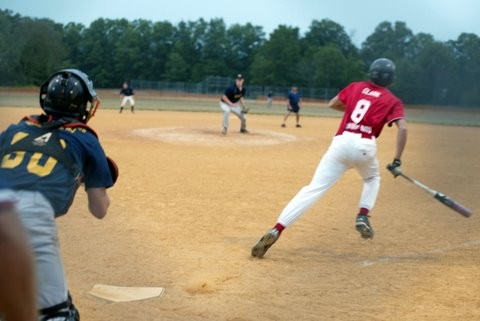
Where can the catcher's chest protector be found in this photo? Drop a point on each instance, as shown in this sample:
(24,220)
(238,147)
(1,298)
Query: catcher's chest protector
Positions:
(42,137)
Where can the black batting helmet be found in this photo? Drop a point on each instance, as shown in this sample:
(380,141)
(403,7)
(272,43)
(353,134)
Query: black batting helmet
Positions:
(68,93)
(382,72)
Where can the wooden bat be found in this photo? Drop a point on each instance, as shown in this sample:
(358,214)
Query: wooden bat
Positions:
(445,200)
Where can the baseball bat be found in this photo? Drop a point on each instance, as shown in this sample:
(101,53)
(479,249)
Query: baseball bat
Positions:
(442,198)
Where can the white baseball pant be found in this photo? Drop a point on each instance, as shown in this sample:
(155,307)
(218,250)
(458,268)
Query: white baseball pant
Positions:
(237,110)
(127,99)
(346,151)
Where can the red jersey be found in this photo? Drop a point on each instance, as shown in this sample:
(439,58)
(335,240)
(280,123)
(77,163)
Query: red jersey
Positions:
(368,108)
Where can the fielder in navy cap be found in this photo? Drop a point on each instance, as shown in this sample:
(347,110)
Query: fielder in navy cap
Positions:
(232,102)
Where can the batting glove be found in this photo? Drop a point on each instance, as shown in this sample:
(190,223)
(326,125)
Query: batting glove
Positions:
(395,168)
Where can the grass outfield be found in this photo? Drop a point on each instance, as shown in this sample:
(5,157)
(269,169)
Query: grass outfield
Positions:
(151,100)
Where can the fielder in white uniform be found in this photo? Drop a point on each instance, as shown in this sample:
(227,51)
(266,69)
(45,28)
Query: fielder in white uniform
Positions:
(367,107)
(127,97)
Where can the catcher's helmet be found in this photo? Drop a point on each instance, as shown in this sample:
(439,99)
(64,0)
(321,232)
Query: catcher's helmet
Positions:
(382,72)
(67,93)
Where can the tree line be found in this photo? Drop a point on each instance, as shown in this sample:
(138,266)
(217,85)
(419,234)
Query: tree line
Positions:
(428,71)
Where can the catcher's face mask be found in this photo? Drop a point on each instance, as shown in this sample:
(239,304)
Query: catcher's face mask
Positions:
(69,93)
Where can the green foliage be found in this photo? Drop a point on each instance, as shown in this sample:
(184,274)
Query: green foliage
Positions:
(327,32)
(331,69)
(276,62)
(25,57)
(9,49)
(176,67)
(111,51)
(242,43)
(392,41)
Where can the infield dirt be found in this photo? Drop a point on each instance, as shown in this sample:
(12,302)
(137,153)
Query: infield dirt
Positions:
(189,204)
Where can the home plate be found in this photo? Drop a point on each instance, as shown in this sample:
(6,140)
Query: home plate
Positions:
(125,294)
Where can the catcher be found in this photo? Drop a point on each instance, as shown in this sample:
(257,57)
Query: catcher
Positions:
(17,279)
(232,101)
(46,158)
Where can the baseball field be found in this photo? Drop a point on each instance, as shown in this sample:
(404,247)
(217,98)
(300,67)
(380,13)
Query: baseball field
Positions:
(189,205)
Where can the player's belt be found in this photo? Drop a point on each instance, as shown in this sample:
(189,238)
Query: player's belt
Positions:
(363,135)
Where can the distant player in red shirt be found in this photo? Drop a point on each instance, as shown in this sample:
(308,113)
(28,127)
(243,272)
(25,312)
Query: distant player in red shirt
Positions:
(367,107)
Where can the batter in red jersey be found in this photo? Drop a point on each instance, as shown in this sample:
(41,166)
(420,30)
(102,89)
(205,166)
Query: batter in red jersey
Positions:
(367,107)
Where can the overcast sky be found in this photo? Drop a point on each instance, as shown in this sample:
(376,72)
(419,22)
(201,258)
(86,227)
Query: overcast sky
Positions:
(444,19)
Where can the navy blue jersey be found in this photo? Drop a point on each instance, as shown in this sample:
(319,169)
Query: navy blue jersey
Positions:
(294,99)
(37,171)
(127,91)
(234,94)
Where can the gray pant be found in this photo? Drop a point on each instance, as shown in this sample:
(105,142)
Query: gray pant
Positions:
(38,218)
(237,110)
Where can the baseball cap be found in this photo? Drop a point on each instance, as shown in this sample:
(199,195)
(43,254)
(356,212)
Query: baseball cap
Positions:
(239,76)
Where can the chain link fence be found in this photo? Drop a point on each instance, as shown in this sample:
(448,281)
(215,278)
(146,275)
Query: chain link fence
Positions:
(215,85)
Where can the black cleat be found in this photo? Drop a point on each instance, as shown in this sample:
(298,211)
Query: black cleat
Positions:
(362,225)
(262,246)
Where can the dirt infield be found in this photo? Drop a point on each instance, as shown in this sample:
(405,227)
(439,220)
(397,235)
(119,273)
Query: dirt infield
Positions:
(189,205)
